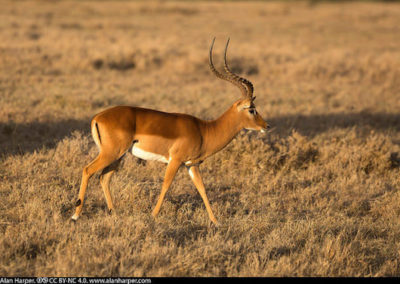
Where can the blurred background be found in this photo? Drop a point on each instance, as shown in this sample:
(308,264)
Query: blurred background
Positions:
(63,60)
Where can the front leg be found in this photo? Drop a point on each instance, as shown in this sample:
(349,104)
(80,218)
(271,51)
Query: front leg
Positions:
(170,173)
(198,182)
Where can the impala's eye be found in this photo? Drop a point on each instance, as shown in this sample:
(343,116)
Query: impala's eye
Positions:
(252,111)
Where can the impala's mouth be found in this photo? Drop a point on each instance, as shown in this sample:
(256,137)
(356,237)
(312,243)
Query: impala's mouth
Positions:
(265,129)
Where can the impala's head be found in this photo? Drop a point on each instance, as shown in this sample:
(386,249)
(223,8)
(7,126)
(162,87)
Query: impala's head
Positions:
(245,107)
(249,116)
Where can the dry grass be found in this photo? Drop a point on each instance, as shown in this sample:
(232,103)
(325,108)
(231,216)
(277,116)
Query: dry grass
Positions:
(318,196)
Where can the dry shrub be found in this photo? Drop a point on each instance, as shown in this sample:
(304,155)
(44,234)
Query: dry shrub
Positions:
(138,59)
(164,9)
(294,153)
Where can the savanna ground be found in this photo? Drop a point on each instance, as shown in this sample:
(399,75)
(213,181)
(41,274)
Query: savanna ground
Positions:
(317,196)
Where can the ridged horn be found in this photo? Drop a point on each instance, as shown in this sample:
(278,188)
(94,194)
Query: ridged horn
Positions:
(247,83)
(225,77)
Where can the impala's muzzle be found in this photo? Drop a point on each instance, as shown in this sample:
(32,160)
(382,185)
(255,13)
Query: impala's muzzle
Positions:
(266,128)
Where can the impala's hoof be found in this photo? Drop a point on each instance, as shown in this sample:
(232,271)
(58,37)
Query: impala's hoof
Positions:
(214,221)
(154,214)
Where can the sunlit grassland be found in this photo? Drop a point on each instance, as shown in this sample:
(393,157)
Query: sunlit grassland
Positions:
(317,196)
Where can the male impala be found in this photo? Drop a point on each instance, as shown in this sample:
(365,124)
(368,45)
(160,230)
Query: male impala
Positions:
(172,138)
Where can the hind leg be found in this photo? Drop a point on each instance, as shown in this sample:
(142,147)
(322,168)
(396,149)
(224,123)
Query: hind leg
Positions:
(105,178)
(101,162)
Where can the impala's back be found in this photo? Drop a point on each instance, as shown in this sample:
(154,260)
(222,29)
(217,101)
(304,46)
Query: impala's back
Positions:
(153,135)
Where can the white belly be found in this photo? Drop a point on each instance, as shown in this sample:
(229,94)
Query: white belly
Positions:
(136,151)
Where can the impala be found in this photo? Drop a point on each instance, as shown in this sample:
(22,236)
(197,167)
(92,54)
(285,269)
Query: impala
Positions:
(173,138)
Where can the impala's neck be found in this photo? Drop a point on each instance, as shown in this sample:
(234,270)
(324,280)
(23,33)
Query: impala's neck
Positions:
(218,133)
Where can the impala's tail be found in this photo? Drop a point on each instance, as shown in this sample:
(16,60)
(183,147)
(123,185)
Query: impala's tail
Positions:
(96,133)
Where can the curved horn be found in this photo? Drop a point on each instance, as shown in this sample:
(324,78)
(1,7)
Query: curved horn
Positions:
(247,83)
(224,77)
